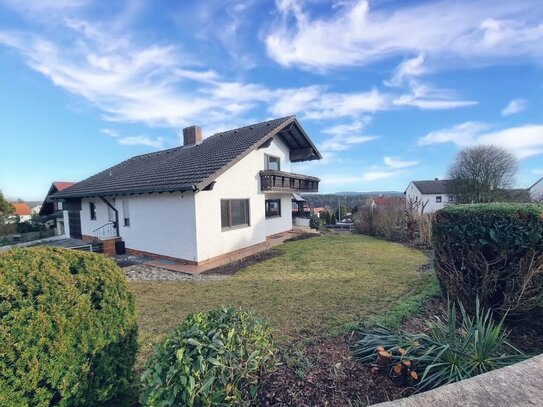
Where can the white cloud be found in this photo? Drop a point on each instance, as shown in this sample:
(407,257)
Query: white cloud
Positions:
(523,141)
(395,163)
(344,136)
(147,141)
(462,134)
(407,70)
(514,107)
(354,33)
(426,97)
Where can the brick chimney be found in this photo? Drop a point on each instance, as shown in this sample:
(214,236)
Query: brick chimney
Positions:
(192,135)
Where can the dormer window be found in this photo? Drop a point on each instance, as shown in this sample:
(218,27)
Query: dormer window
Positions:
(272,163)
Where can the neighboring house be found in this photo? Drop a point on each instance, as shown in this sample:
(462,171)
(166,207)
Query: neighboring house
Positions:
(22,210)
(387,201)
(536,190)
(200,201)
(35,209)
(53,211)
(434,194)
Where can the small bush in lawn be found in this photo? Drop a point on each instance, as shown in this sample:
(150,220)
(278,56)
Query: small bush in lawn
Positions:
(213,358)
(315,222)
(67,328)
(493,252)
(451,351)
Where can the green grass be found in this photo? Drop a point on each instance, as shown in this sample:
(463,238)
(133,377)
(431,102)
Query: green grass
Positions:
(318,287)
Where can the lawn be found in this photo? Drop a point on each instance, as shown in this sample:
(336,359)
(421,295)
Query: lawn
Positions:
(317,287)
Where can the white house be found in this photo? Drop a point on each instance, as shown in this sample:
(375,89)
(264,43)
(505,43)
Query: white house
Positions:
(536,190)
(199,201)
(433,194)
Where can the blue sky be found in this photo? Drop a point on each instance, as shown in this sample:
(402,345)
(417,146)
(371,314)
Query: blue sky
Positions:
(388,90)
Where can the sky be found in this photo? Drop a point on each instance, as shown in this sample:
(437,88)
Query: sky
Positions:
(388,90)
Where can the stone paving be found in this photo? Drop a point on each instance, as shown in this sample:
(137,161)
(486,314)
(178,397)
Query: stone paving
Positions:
(145,272)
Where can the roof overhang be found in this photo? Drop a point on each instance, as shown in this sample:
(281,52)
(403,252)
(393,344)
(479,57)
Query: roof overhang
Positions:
(300,145)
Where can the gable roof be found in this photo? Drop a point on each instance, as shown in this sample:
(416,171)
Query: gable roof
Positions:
(48,207)
(62,185)
(21,208)
(194,167)
(535,183)
(440,186)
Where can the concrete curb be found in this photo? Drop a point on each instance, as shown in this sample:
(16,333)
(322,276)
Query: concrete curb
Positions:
(520,384)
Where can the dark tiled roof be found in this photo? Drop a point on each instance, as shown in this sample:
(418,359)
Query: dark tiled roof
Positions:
(441,186)
(187,167)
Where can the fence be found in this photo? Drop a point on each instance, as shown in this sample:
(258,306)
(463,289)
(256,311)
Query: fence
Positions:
(25,237)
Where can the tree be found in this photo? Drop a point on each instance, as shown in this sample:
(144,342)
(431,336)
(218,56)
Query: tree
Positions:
(341,212)
(6,208)
(481,172)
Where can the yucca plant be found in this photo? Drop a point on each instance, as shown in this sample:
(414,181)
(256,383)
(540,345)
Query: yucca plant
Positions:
(453,349)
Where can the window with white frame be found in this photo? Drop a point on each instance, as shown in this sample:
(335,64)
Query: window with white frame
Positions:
(126,213)
(234,213)
(438,199)
(272,163)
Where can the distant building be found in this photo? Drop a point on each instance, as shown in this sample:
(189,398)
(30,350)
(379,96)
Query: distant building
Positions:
(22,210)
(387,201)
(434,194)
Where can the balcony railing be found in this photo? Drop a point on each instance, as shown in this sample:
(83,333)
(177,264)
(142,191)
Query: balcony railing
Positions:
(271,180)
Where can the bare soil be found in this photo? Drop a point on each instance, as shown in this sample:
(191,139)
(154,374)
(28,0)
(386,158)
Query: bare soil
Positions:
(235,266)
(325,374)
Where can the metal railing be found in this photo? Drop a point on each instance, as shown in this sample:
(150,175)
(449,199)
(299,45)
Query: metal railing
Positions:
(106,230)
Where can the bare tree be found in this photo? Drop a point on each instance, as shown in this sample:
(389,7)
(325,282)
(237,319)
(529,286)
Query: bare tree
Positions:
(481,172)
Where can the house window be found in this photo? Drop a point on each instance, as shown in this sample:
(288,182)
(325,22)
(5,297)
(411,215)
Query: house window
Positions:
(92,208)
(110,214)
(59,206)
(234,213)
(126,213)
(438,199)
(273,208)
(272,163)
(451,198)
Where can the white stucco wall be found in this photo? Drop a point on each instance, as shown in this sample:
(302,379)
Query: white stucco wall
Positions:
(242,181)
(536,191)
(188,225)
(159,223)
(279,224)
(412,192)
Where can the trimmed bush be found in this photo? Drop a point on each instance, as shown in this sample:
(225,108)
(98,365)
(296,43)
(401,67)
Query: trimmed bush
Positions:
(67,328)
(213,358)
(494,252)
(315,222)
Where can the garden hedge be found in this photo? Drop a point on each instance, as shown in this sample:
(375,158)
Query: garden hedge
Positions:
(494,252)
(67,328)
(213,358)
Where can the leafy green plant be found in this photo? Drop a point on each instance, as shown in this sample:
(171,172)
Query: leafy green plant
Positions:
(300,363)
(315,222)
(493,252)
(453,349)
(213,358)
(67,328)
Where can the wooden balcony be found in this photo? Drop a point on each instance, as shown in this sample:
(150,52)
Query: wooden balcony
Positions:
(280,181)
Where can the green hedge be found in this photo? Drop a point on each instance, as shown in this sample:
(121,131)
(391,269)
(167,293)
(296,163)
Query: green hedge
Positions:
(67,328)
(494,252)
(213,358)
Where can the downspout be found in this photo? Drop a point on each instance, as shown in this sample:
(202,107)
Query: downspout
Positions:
(116,214)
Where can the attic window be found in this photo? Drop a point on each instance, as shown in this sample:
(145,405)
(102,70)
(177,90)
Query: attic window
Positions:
(272,163)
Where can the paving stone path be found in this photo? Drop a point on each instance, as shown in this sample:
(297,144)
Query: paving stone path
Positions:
(144,272)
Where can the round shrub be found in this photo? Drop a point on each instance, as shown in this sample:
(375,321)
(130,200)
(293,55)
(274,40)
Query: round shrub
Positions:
(315,222)
(493,252)
(67,328)
(213,358)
